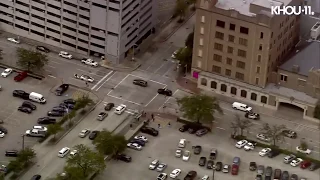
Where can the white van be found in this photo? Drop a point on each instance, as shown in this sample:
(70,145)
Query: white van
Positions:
(63,152)
(120,109)
(36,97)
(241,107)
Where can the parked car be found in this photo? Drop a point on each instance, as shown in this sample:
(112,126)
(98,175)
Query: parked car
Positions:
(296,162)
(305,164)
(304,151)
(205,177)
(89,62)
(213,154)
(202,161)
(84,133)
(289,158)
(161,167)
(226,168)
(165,91)
(162,176)
(210,164)
(252,115)
(66,106)
(59,109)
(153,165)
(263,137)
(109,106)
(258,177)
(36,177)
(134,146)
(46,120)
(260,169)
(25,109)
(140,137)
(102,116)
(123,157)
(268,172)
(69,101)
(3,129)
(273,153)
(6,72)
(264,151)
(218,166)
(21,94)
(186,155)
(277,174)
(55,113)
(191,175)
(289,133)
(140,82)
(202,132)
(29,104)
(138,141)
(184,128)
(249,146)
(197,149)
(179,152)
(241,144)
(11,153)
(285,175)
(43,49)
(65,55)
(294,177)
(252,166)
(149,130)
(312,167)
(61,89)
(93,135)
(21,76)
(234,169)
(175,173)
(14,40)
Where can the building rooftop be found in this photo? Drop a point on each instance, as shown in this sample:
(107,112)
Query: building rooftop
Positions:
(243,6)
(306,56)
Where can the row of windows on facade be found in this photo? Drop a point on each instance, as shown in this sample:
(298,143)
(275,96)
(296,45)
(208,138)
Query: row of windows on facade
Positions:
(53,6)
(233,90)
(301,82)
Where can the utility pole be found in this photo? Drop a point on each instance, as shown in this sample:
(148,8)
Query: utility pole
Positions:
(22,141)
(213,173)
(134,46)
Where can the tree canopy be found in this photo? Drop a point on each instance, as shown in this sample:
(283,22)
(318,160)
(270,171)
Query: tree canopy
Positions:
(26,155)
(84,163)
(31,60)
(274,132)
(54,129)
(240,124)
(199,107)
(184,56)
(109,144)
(181,9)
(189,40)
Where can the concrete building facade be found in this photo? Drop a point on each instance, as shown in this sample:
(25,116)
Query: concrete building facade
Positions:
(106,28)
(238,47)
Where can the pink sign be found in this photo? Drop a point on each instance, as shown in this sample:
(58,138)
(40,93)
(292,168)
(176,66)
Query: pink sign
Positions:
(195,74)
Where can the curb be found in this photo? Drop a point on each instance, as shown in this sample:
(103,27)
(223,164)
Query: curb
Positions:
(124,69)
(18,70)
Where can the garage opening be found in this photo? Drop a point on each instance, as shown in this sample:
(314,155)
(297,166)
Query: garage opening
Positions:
(290,110)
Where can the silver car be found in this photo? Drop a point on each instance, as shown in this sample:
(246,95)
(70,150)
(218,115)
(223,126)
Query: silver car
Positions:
(84,133)
(260,170)
(226,168)
(161,167)
(102,116)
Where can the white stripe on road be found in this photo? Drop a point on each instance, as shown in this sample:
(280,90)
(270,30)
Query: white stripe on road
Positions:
(89,73)
(124,100)
(101,80)
(221,128)
(105,81)
(157,82)
(51,66)
(121,81)
(51,76)
(151,100)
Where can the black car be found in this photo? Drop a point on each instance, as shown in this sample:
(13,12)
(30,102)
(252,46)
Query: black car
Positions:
(29,104)
(253,166)
(25,109)
(55,113)
(273,153)
(61,89)
(140,82)
(184,128)
(289,133)
(268,172)
(219,166)
(66,106)
(285,175)
(46,120)
(138,141)
(59,109)
(258,177)
(123,157)
(43,49)
(109,106)
(191,175)
(197,149)
(294,177)
(21,94)
(149,130)
(93,135)
(312,167)
(202,132)
(210,164)
(165,91)
(36,177)
(4,130)
(202,161)
(69,101)
(11,153)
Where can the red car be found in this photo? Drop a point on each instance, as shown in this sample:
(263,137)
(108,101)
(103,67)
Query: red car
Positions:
(234,169)
(21,76)
(305,164)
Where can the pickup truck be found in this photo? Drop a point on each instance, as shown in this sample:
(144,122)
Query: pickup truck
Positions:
(35,133)
(89,62)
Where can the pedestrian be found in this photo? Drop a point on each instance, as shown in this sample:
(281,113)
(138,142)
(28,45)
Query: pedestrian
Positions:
(152,117)
(130,125)
(159,126)
(169,124)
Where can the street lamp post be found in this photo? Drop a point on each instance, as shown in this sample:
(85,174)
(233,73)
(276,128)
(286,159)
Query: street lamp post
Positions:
(213,173)
(134,46)
(22,141)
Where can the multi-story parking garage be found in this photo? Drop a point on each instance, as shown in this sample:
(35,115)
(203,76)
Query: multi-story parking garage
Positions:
(97,27)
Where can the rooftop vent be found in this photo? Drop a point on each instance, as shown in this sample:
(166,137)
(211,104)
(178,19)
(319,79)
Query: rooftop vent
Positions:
(295,68)
(315,31)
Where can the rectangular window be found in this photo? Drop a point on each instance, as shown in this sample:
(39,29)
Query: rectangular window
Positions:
(231,38)
(201,41)
(302,82)
(244,30)
(241,64)
(260,47)
(242,53)
(220,24)
(230,49)
(228,72)
(217,57)
(257,81)
(201,30)
(239,76)
(261,35)
(258,69)
(203,19)
(218,46)
(229,61)
(283,77)
(219,35)
(232,27)
(259,58)
(199,64)
(200,53)
(243,42)
(216,69)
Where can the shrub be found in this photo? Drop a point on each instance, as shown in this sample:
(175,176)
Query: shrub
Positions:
(83,112)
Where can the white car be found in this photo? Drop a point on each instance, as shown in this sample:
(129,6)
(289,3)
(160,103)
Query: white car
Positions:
(205,177)
(161,167)
(63,152)
(65,55)
(173,56)
(89,62)
(186,155)
(6,72)
(134,146)
(40,128)
(249,146)
(296,162)
(86,78)
(264,152)
(2,134)
(307,151)
(263,137)
(241,144)
(73,153)
(154,164)
(162,176)
(179,152)
(175,173)
(140,137)
(84,133)
(14,40)
(182,143)
(120,109)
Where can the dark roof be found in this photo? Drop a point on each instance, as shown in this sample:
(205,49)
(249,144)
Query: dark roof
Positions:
(306,23)
(307,57)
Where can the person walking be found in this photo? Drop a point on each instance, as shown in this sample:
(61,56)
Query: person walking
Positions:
(152,116)
(159,126)
(169,124)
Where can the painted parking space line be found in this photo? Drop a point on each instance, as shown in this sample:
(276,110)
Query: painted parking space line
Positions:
(105,81)
(151,100)
(102,79)
(89,72)
(124,99)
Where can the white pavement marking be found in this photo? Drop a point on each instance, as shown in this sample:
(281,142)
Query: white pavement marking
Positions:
(124,99)
(121,81)
(164,62)
(159,57)
(51,66)
(221,128)
(105,81)
(151,100)
(51,76)
(157,82)
(89,72)
(101,80)
(138,76)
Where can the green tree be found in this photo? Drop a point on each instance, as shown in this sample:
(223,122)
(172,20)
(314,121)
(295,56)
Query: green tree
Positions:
(303,145)
(274,132)
(240,124)
(83,102)
(15,166)
(199,107)
(108,144)
(84,163)
(184,56)
(316,113)
(1,176)
(30,59)
(189,40)
(26,155)
(54,129)
(180,9)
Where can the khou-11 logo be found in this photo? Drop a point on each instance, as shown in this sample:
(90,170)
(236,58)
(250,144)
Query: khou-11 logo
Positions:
(291,10)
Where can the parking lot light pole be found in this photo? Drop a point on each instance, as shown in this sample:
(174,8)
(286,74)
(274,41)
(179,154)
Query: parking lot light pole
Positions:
(133,49)
(213,173)
(22,141)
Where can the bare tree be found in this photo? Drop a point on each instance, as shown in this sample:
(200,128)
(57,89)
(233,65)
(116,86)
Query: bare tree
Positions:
(240,124)
(274,132)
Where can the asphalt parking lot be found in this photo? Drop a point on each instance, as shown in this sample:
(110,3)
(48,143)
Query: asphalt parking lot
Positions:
(17,122)
(163,148)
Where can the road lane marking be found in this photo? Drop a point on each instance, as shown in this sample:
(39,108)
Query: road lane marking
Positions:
(221,128)
(105,81)
(159,56)
(102,79)
(151,100)
(157,82)
(121,81)
(51,66)
(89,72)
(51,76)
(164,63)
(124,99)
